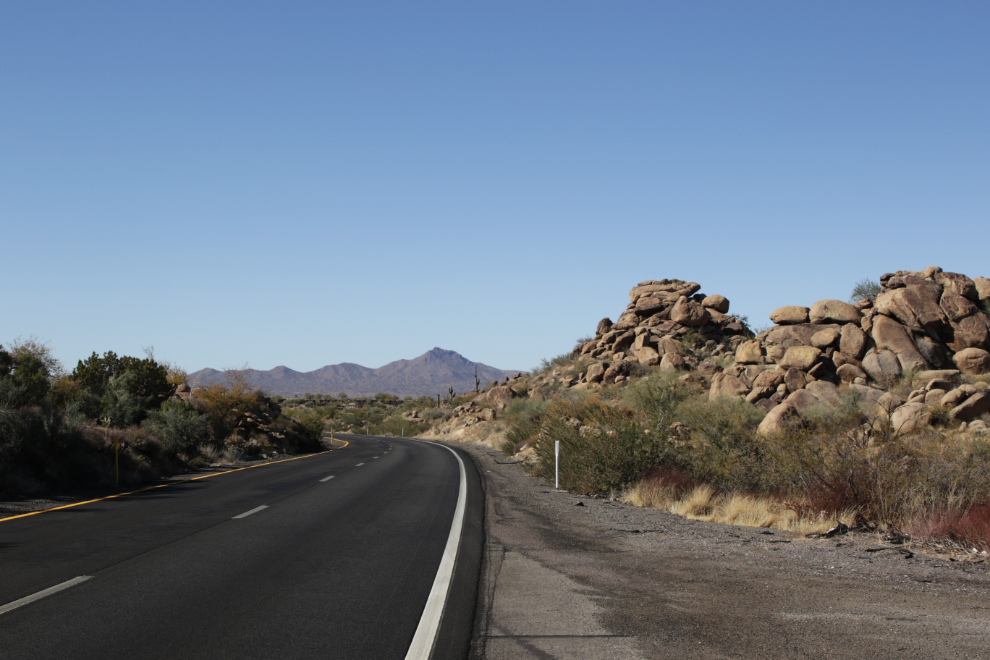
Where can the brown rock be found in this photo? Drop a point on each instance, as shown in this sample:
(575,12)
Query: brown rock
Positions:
(749,353)
(796,335)
(771,378)
(852,341)
(982,288)
(972,407)
(972,361)
(957,283)
(934,352)
(673,361)
(955,306)
(942,374)
(667,345)
(971,332)
(616,369)
(642,340)
(758,393)
(667,289)
(834,311)
(795,380)
(790,315)
(727,385)
(626,320)
(909,417)
(719,303)
(647,356)
(954,397)
(938,384)
(596,372)
(648,306)
(624,341)
(869,393)
(916,306)
(604,326)
(892,336)
(802,401)
(839,358)
(824,391)
(850,372)
(882,366)
(497,397)
(780,418)
(800,357)
(689,313)
(934,397)
(825,338)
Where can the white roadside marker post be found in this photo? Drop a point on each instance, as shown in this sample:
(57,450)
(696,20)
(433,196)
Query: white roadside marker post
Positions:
(556,464)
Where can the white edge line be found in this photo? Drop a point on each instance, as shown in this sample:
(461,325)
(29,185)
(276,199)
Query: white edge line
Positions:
(328,478)
(359,465)
(13,605)
(429,623)
(252,511)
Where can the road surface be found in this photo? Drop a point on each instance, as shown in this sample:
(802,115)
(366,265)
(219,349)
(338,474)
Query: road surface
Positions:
(331,555)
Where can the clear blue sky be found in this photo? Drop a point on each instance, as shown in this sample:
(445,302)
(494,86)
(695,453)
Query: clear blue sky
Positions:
(306,183)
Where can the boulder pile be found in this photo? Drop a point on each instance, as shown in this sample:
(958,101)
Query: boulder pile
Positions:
(929,325)
(649,332)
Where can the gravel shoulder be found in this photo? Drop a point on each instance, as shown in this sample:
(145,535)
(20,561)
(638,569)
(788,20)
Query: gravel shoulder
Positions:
(568,576)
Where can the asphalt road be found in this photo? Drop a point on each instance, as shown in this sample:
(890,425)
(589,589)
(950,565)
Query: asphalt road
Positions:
(339,563)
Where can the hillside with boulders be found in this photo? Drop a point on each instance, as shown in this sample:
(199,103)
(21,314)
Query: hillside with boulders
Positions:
(871,412)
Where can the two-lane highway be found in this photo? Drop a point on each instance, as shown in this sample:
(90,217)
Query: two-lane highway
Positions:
(331,555)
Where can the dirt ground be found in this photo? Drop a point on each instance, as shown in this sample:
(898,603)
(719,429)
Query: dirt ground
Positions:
(568,576)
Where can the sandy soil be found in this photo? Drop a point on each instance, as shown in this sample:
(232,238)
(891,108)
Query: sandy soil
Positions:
(574,577)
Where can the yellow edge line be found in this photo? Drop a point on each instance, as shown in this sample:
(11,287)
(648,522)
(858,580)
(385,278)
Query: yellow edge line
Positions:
(171,483)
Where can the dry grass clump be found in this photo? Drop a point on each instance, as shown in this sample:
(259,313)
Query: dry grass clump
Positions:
(702,502)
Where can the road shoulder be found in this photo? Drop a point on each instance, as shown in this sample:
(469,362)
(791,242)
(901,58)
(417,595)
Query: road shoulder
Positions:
(575,577)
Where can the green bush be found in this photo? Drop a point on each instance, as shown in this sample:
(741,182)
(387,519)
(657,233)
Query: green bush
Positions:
(177,425)
(865,289)
(724,449)
(546,365)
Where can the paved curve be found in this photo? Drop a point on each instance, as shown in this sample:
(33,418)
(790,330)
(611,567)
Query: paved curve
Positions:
(337,567)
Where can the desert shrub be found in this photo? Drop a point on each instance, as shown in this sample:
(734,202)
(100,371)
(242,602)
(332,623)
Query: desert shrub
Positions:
(177,425)
(546,365)
(310,424)
(223,403)
(605,450)
(865,289)
(724,449)
(148,382)
(120,405)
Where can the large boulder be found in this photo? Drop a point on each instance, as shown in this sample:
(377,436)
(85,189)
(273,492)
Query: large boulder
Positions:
(909,417)
(934,352)
(802,401)
(824,338)
(915,306)
(647,356)
(596,372)
(957,283)
(800,357)
(850,372)
(749,352)
(824,391)
(974,406)
(719,303)
(834,311)
(780,418)
(771,378)
(982,288)
(669,290)
(789,315)
(624,341)
(852,341)
(689,313)
(973,361)
(673,361)
(616,369)
(882,366)
(892,336)
(666,345)
(603,326)
(497,397)
(727,385)
(955,306)
(970,332)
(649,305)
(795,335)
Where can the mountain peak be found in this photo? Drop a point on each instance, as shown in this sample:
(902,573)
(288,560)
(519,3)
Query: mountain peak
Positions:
(431,372)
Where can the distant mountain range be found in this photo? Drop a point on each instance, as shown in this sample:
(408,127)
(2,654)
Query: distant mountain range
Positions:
(430,373)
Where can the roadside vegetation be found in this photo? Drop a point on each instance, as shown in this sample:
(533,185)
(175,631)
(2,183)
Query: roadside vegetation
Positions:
(659,441)
(57,428)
